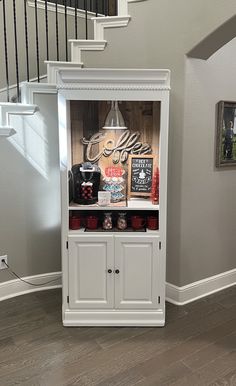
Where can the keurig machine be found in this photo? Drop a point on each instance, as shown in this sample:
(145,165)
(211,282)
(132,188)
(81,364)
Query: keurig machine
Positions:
(86,181)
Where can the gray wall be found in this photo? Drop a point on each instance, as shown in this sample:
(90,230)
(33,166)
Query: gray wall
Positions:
(208,205)
(30,193)
(200,227)
(29,174)
(201,206)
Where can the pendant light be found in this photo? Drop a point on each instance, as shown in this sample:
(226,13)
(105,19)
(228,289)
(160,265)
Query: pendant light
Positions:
(114,119)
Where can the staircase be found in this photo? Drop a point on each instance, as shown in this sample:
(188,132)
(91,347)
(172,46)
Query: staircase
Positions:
(78,46)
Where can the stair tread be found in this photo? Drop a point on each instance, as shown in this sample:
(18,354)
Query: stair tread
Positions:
(110,18)
(62,62)
(84,41)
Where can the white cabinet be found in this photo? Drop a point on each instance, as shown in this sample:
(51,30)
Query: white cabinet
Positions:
(136,284)
(113,272)
(91,261)
(115,277)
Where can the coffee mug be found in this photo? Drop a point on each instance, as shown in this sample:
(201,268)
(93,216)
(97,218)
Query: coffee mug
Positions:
(152,222)
(74,222)
(92,222)
(137,222)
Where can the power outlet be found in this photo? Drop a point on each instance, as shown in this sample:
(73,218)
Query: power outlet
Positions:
(2,259)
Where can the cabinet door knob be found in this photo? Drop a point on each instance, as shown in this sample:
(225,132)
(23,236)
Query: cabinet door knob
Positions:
(109,270)
(117,271)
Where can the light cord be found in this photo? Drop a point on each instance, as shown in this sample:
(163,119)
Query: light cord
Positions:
(25,281)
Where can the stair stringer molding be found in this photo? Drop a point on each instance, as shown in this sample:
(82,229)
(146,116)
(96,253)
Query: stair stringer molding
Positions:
(99,43)
(8,109)
(29,89)
(123,6)
(77,46)
(100,23)
(53,67)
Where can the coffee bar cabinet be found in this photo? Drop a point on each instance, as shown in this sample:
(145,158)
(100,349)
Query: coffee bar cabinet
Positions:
(113,129)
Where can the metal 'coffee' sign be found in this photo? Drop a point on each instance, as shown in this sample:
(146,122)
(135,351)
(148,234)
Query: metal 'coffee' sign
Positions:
(127,143)
(140,175)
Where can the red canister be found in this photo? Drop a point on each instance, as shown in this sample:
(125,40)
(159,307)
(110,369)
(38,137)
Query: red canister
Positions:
(152,222)
(137,222)
(74,222)
(92,222)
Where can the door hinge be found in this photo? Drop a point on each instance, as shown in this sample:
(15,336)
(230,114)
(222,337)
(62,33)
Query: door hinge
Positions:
(67,245)
(68,299)
(159,244)
(159,299)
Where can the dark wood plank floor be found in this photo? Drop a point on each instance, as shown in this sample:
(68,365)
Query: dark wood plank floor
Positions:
(197,346)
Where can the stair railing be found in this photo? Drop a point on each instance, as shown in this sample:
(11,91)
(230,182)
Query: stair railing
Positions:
(37,30)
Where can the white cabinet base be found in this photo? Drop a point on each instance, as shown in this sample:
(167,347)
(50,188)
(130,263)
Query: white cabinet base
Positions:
(114,318)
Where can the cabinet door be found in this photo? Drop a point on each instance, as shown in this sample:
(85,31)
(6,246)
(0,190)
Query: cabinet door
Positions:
(90,283)
(136,284)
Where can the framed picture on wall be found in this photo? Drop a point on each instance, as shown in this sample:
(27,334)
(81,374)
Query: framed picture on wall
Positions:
(226,134)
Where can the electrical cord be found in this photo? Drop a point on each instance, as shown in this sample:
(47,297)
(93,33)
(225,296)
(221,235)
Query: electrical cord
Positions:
(25,281)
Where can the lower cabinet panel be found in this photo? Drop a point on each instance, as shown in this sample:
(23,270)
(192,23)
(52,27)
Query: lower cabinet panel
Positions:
(90,284)
(136,285)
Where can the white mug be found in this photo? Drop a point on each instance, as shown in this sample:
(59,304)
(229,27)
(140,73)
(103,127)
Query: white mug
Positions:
(104,198)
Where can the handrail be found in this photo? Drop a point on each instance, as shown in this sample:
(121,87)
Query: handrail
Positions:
(49,41)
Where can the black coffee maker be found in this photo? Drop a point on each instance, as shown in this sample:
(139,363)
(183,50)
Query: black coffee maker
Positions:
(86,181)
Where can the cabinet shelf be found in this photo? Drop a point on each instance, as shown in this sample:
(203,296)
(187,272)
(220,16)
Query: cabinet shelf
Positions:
(132,204)
(112,231)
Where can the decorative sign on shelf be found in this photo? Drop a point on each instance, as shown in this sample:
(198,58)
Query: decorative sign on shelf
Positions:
(140,175)
(118,150)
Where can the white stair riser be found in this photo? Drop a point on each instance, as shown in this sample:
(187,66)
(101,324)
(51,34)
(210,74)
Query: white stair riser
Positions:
(101,23)
(54,67)
(6,109)
(77,46)
(123,6)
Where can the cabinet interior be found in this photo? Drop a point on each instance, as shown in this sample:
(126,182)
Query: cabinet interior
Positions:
(142,118)
(115,214)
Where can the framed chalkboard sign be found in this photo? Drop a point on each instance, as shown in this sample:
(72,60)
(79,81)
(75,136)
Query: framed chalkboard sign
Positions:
(140,175)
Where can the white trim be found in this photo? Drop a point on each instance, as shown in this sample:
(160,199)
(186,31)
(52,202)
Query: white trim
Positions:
(77,46)
(53,67)
(32,80)
(28,90)
(123,6)
(107,78)
(7,109)
(200,289)
(175,295)
(16,287)
(100,23)
(114,318)
(61,9)
(6,131)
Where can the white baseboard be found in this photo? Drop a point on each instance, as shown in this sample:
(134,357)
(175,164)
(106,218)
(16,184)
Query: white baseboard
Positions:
(199,289)
(174,294)
(16,287)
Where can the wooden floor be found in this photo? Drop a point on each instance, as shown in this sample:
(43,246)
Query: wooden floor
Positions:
(197,346)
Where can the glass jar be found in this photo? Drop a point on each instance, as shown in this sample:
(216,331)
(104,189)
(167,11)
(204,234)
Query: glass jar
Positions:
(107,221)
(122,221)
